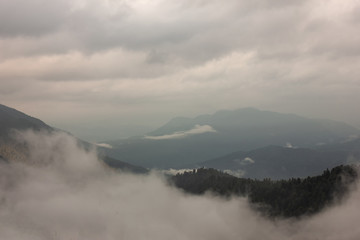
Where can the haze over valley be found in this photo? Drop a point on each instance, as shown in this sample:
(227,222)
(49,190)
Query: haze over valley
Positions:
(59,189)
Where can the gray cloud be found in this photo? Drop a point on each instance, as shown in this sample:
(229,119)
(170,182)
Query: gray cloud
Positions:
(35,18)
(166,55)
(62,191)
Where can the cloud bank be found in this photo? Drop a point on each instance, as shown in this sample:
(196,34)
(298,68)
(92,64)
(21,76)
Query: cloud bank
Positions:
(63,192)
(143,62)
(198,129)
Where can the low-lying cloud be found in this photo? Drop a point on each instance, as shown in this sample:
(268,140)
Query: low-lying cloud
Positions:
(64,192)
(245,161)
(172,171)
(104,145)
(289,145)
(248,160)
(236,173)
(198,129)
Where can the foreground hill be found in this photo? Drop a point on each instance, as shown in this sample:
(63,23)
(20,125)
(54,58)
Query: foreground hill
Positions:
(185,141)
(277,162)
(11,150)
(285,198)
(12,119)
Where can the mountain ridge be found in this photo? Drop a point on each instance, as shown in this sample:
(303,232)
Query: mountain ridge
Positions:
(277,162)
(12,119)
(251,117)
(172,145)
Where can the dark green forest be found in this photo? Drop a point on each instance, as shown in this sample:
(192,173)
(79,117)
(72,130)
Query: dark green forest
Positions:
(293,197)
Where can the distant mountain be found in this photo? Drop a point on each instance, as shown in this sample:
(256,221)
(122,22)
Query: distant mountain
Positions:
(184,141)
(279,162)
(263,124)
(349,146)
(12,119)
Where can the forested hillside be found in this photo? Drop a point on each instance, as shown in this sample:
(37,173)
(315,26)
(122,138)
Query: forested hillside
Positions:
(283,198)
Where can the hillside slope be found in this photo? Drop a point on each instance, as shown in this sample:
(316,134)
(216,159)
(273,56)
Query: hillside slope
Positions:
(10,118)
(277,162)
(284,198)
(12,150)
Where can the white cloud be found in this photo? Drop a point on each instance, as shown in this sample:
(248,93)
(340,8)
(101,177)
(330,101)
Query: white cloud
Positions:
(236,173)
(289,145)
(248,160)
(63,192)
(172,171)
(104,145)
(244,161)
(198,129)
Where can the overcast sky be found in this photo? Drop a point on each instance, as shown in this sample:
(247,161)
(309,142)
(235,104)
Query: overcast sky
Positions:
(116,68)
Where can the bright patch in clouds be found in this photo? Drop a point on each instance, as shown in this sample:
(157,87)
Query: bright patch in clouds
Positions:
(289,145)
(104,145)
(248,160)
(173,171)
(236,173)
(198,129)
(245,161)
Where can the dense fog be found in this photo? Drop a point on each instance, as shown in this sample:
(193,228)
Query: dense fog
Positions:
(62,191)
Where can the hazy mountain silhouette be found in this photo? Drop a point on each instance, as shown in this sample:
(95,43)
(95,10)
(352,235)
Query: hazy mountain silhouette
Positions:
(350,146)
(184,141)
(277,162)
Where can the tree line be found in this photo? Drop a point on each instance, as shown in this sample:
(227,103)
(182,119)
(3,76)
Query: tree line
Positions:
(281,198)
